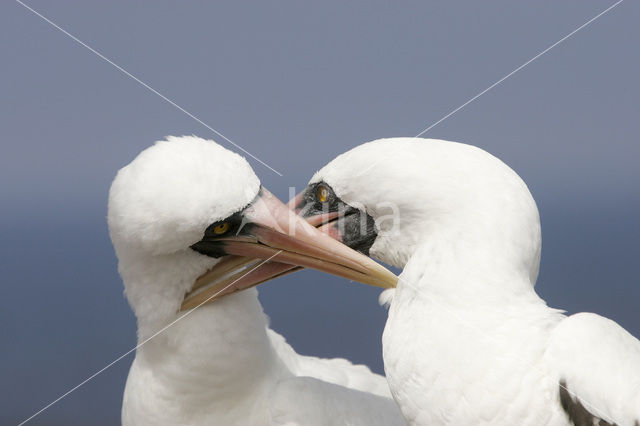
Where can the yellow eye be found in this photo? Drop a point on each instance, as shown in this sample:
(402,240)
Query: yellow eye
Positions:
(322,193)
(221,228)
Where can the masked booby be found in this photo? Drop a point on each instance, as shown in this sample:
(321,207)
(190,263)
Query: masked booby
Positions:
(468,340)
(180,216)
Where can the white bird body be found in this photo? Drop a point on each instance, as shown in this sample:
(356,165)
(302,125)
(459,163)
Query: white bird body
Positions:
(467,340)
(219,363)
(235,370)
(453,362)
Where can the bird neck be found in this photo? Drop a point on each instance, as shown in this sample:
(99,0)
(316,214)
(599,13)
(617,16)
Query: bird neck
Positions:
(219,342)
(215,357)
(471,267)
(221,346)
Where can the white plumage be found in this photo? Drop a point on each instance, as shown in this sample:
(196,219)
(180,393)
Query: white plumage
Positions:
(220,364)
(468,341)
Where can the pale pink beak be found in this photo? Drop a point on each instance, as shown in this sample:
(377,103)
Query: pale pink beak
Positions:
(274,241)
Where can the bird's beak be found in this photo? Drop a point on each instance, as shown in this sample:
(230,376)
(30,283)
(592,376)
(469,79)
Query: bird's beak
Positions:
(273,241)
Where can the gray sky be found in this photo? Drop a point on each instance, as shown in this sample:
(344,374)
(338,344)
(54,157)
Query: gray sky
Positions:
(295,85)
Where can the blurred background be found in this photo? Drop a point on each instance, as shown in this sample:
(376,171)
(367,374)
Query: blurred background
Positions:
(295,85)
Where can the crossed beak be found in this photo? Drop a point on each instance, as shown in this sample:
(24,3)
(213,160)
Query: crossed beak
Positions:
(273,241)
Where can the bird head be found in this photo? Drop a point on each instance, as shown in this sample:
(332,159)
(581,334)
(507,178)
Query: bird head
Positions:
(389,197)
(190,223)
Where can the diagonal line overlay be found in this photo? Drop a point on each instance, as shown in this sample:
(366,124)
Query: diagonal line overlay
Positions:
(146,86)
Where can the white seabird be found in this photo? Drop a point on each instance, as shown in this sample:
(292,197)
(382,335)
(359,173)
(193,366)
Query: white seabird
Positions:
(173,211)
(468,340)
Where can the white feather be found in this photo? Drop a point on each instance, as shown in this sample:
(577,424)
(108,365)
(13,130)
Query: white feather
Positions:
(386,297)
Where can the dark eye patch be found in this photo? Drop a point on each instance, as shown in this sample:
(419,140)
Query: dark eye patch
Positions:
(211,245)
(310,205)
(355,234)
(234,221)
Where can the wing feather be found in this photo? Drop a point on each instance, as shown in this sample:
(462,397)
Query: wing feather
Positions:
(335,370)
(598,366)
